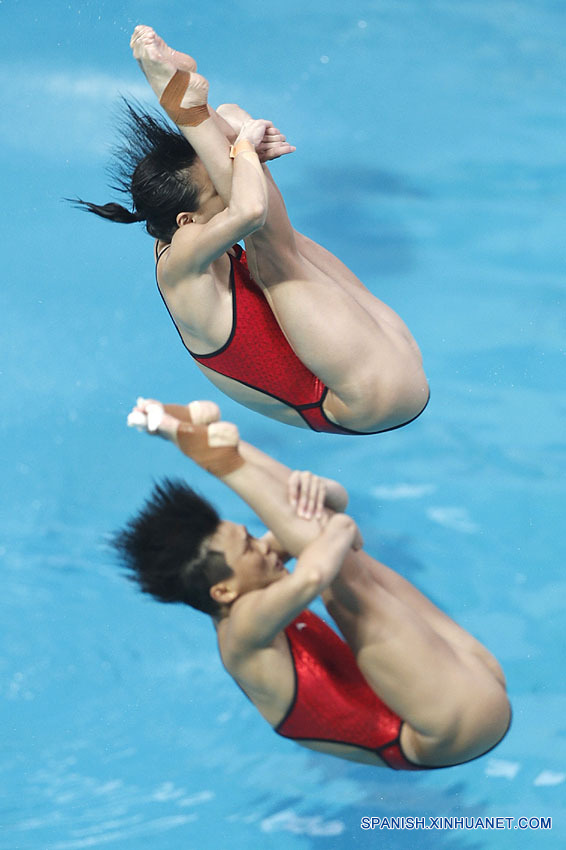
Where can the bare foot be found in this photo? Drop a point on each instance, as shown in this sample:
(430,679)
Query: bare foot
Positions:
(234,115)
(196,412)
(164,419)
(159,62)
(273,145)
(194,429)
(150,416)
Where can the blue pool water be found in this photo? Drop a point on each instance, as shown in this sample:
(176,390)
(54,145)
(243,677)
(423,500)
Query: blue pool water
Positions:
(430,157)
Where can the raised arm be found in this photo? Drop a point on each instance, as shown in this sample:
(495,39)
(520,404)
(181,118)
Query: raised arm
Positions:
(307,493)
(255,476)
(197,243)
(320,544)
(260,615)
(183,94)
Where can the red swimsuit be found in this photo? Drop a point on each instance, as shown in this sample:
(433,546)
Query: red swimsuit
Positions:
(332,700)
(258,355)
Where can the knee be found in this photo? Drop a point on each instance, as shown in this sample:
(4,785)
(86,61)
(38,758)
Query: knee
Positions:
(473,727)
(377,402)
(484,723)
(410,391)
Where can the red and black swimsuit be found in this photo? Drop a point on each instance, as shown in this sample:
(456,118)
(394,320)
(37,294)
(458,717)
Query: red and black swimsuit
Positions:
(258,355)
(332,700)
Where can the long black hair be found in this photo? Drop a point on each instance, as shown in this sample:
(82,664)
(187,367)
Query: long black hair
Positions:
(162,547)
(151,166)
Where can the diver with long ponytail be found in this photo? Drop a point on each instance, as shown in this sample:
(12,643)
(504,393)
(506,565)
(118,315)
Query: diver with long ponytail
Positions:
(152,167)
(284,327)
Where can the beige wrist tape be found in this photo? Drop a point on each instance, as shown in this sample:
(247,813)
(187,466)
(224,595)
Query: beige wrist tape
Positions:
(218,460)
(171,99)
(241,147)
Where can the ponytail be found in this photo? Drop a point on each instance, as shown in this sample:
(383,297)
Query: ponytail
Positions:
(112,212)
(152,166)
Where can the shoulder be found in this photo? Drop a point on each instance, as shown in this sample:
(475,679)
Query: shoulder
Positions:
(176,261)
(260,670)
(238,636)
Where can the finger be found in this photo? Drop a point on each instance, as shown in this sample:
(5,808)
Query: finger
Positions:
(293,488)
(268,141)
(315,484)
(274,153)
(279,147)
(306,489)
(320,499)
(272,141)
(302,499)
(263,122)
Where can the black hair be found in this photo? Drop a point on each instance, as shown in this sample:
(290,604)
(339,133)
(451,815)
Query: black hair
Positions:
(162,547)
(151,166)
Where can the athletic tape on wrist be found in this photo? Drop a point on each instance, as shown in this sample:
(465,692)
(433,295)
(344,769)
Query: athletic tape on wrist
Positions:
(242,146)
(171,99)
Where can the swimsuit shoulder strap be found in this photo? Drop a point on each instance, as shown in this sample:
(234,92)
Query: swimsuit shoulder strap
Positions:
(159,254)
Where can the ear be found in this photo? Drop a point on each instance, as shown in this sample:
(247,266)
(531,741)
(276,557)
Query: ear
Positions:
(184,218)
(223,593)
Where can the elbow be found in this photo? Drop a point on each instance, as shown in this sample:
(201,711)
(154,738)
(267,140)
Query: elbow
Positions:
(251,217)
(314,581)
(255,217)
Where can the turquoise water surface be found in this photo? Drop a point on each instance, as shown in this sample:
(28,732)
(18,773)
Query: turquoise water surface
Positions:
(430,157)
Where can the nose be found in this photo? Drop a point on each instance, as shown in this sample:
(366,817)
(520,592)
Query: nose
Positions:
(263,546)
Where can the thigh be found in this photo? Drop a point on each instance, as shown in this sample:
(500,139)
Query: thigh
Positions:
(350,597)
(324,261)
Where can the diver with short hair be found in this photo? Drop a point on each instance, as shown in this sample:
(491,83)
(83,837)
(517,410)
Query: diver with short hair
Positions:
(407,688)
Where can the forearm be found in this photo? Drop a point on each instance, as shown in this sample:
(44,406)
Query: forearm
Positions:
(213,149)
(277,470)
(249,189)
(255,476)
(279,473)
(266,494)
(225,128)
(277,228)
(211,140)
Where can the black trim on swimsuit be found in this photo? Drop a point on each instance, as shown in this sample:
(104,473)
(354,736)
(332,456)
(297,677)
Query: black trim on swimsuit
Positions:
(457,764)
(375,750)
(298,408)
(396,742)
(369,433)
(232,331)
